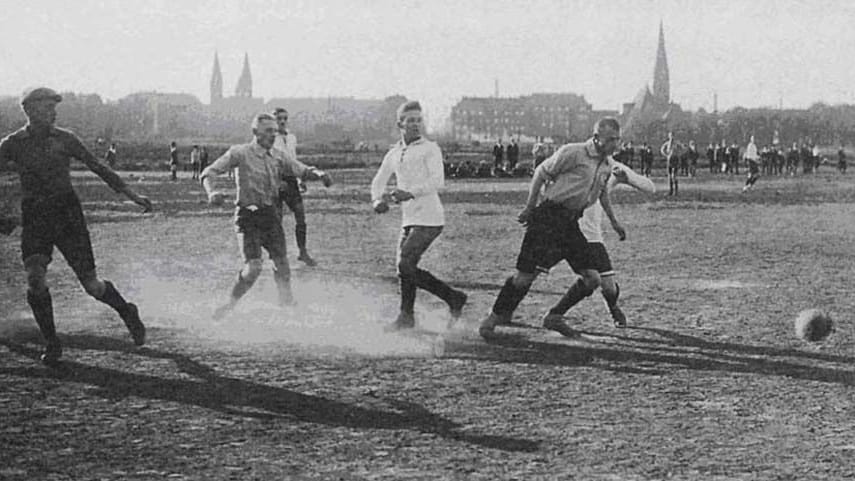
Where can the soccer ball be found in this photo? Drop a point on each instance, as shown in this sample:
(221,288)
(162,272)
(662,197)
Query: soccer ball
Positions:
(813,325)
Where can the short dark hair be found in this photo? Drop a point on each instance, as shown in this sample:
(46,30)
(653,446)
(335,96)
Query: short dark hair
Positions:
(607,123)
(280,110)
(407,106)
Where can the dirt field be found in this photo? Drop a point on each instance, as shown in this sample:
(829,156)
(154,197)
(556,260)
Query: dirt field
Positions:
(708,382)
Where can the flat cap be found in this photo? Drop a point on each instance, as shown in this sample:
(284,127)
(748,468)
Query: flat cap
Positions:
(40,93)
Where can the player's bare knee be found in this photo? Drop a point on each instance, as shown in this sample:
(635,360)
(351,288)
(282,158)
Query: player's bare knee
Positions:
(591,279)
(252,270)
(281,268)
(36,268)
(608,285)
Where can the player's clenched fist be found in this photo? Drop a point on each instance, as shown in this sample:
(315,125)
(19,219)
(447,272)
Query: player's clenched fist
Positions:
(381,207)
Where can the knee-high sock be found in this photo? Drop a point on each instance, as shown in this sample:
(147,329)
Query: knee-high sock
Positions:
(408,294)
(300,234)
(575,293)
(509,298)
(241,287)
(42,306)
(112,298)
(425,280)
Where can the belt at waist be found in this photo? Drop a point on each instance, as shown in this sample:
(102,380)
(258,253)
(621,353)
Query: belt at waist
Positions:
(558,208)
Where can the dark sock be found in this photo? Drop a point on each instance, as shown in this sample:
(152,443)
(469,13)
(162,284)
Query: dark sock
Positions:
(428,282)
(408,295)
(241,287)
(611,300)
(112,298)
(42,306)
(509,298)
(576,293)
(300,234)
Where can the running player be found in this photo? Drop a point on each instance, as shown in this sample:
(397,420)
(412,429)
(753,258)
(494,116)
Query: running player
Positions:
(51,214)
(417,165)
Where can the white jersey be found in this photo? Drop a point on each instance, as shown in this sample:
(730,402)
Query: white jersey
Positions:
(591,222)
(287,142)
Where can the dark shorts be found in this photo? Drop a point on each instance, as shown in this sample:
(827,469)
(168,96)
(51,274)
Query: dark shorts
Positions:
(57,221)
(553,235)
(600,258)
(259,229)
(290,194)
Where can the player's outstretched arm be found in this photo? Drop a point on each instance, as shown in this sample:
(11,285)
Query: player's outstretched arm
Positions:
(108,175)
(622,174)
(228,161)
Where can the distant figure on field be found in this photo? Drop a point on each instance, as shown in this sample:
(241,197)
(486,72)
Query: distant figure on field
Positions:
(513,155)
(498,154)
(203,158)
(291,192)
(195,163)
(110,156)
(173,160)
(841,160)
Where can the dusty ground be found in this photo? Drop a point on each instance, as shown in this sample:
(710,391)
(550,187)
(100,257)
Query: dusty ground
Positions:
(709,381)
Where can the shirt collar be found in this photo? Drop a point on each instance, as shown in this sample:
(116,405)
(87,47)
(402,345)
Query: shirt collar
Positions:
(591,150)
(259,150)
(26,131)
(419,140)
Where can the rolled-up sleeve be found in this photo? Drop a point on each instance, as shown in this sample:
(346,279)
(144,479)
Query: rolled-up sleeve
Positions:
(435,179)
(561,161)
(223,164)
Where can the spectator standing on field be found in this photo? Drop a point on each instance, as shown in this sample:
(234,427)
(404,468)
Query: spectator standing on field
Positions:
(513,155)
(110,156)
(173,160)
(498,155)
(195,162)
(539,152)
(203,158)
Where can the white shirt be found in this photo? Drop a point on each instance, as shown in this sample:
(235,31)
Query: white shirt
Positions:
(287,142)
(419,170)
(751,152)
(591,222)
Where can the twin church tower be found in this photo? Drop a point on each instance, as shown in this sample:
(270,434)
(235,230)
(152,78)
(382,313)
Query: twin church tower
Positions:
(244,84)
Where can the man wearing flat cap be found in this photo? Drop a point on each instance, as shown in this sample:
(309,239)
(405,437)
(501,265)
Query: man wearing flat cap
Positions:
(51,214)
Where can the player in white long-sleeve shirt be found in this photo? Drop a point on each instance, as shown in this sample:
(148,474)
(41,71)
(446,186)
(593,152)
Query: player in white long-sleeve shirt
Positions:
(591,224)
(417,166)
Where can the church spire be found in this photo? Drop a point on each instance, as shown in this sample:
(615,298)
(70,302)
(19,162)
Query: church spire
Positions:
(216,81)
(661,83)
(244,85)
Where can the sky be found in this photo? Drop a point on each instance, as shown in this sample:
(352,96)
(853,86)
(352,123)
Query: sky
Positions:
(750,53)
